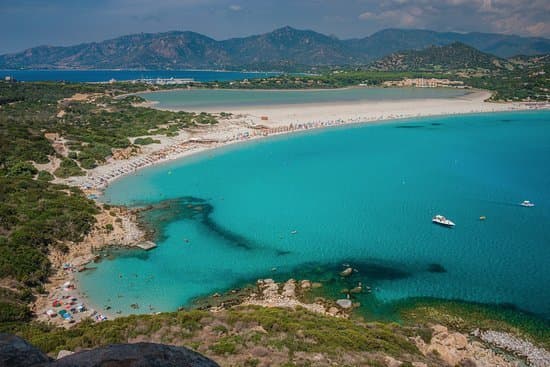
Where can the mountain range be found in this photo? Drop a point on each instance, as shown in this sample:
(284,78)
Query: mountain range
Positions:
(282,48)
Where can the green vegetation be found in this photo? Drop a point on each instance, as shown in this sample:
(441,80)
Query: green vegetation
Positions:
(516,79)
(248,335)
(146,141)
(68,168)
(38,122)
(35,215)
(282,330)
(92,126)
(456,56)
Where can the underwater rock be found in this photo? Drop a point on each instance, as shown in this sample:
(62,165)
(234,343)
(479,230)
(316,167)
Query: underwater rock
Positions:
(347,272)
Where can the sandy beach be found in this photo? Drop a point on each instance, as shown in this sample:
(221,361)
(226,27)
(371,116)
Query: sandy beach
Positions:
(253,122)
(244,124)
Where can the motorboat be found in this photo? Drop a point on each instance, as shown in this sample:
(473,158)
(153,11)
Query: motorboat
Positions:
(441,220)
(527,204)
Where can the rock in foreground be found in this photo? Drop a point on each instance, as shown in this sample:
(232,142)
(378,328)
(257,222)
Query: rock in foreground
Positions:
(15,351)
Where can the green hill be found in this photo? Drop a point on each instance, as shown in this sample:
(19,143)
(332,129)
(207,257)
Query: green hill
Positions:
(455,56)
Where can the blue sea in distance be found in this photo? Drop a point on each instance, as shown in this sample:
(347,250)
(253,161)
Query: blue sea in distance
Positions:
(91,76)
(362,195)
(220,99)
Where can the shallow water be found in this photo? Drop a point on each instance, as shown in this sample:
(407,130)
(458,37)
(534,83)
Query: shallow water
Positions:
(227,98)
(362,195)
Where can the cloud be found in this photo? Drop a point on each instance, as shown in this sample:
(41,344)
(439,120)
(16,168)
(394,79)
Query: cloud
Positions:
(235,7)
(502,16)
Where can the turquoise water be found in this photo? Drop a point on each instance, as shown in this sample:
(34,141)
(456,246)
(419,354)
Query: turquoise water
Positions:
(362,195)
(106,75)
(226,98)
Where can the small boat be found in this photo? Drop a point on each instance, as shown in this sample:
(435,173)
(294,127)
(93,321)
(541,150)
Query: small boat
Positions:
(294,232)
(527,204)
(482,217)
(441,220)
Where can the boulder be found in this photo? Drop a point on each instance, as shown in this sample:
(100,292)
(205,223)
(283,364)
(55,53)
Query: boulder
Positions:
(344,303)
(135,355)
(346,272)
(15,351)
(64,353)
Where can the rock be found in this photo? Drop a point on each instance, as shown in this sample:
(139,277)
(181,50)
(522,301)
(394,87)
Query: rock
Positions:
(460,341)
(305,284)
(259,351)
(333,311)
(419,364)
(357,289)
(64,353)
(347,272)
(454,349)
(535,356)
(289,289)
(344,303)
(15,351)
(316,285)
(392,362)
(136,355)
(259,329)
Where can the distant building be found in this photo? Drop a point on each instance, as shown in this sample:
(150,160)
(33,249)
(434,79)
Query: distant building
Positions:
(424,83)
(10,79)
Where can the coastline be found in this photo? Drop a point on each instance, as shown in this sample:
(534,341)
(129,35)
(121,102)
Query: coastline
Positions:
(248,123)
(245,124)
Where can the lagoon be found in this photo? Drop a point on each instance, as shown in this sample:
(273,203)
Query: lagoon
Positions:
(362,195)
(220,99)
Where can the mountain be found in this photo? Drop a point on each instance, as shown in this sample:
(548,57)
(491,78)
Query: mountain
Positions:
(160,50)
(296,46)
(449,57)
(283,48)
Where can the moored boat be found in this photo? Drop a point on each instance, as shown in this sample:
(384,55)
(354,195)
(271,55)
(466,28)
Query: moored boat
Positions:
(441,220)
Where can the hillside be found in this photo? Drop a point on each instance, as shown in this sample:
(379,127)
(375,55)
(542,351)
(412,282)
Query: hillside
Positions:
(283,49)
(456,56)
(388,41)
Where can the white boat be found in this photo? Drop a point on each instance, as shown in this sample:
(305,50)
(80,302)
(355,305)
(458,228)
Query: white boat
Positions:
(527,204)
(441,220)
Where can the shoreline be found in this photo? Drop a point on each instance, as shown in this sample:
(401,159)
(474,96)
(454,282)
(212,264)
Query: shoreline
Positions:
(242,126)
(247,124)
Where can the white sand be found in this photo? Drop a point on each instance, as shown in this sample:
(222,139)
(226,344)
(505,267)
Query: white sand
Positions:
(245,122)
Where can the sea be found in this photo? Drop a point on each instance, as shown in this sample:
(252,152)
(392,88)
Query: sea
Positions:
(96,76)
(310,204)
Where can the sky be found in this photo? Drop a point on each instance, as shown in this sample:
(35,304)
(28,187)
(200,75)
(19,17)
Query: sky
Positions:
(29,23)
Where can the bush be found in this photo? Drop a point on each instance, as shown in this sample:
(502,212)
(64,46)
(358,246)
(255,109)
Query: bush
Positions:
(22,169)
(68,168)
(45,176)
(146,141)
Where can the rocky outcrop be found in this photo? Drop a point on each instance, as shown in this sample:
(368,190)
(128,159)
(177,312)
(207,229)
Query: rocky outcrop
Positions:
(537,357)
(454,349)
(285,295)
(15,351)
